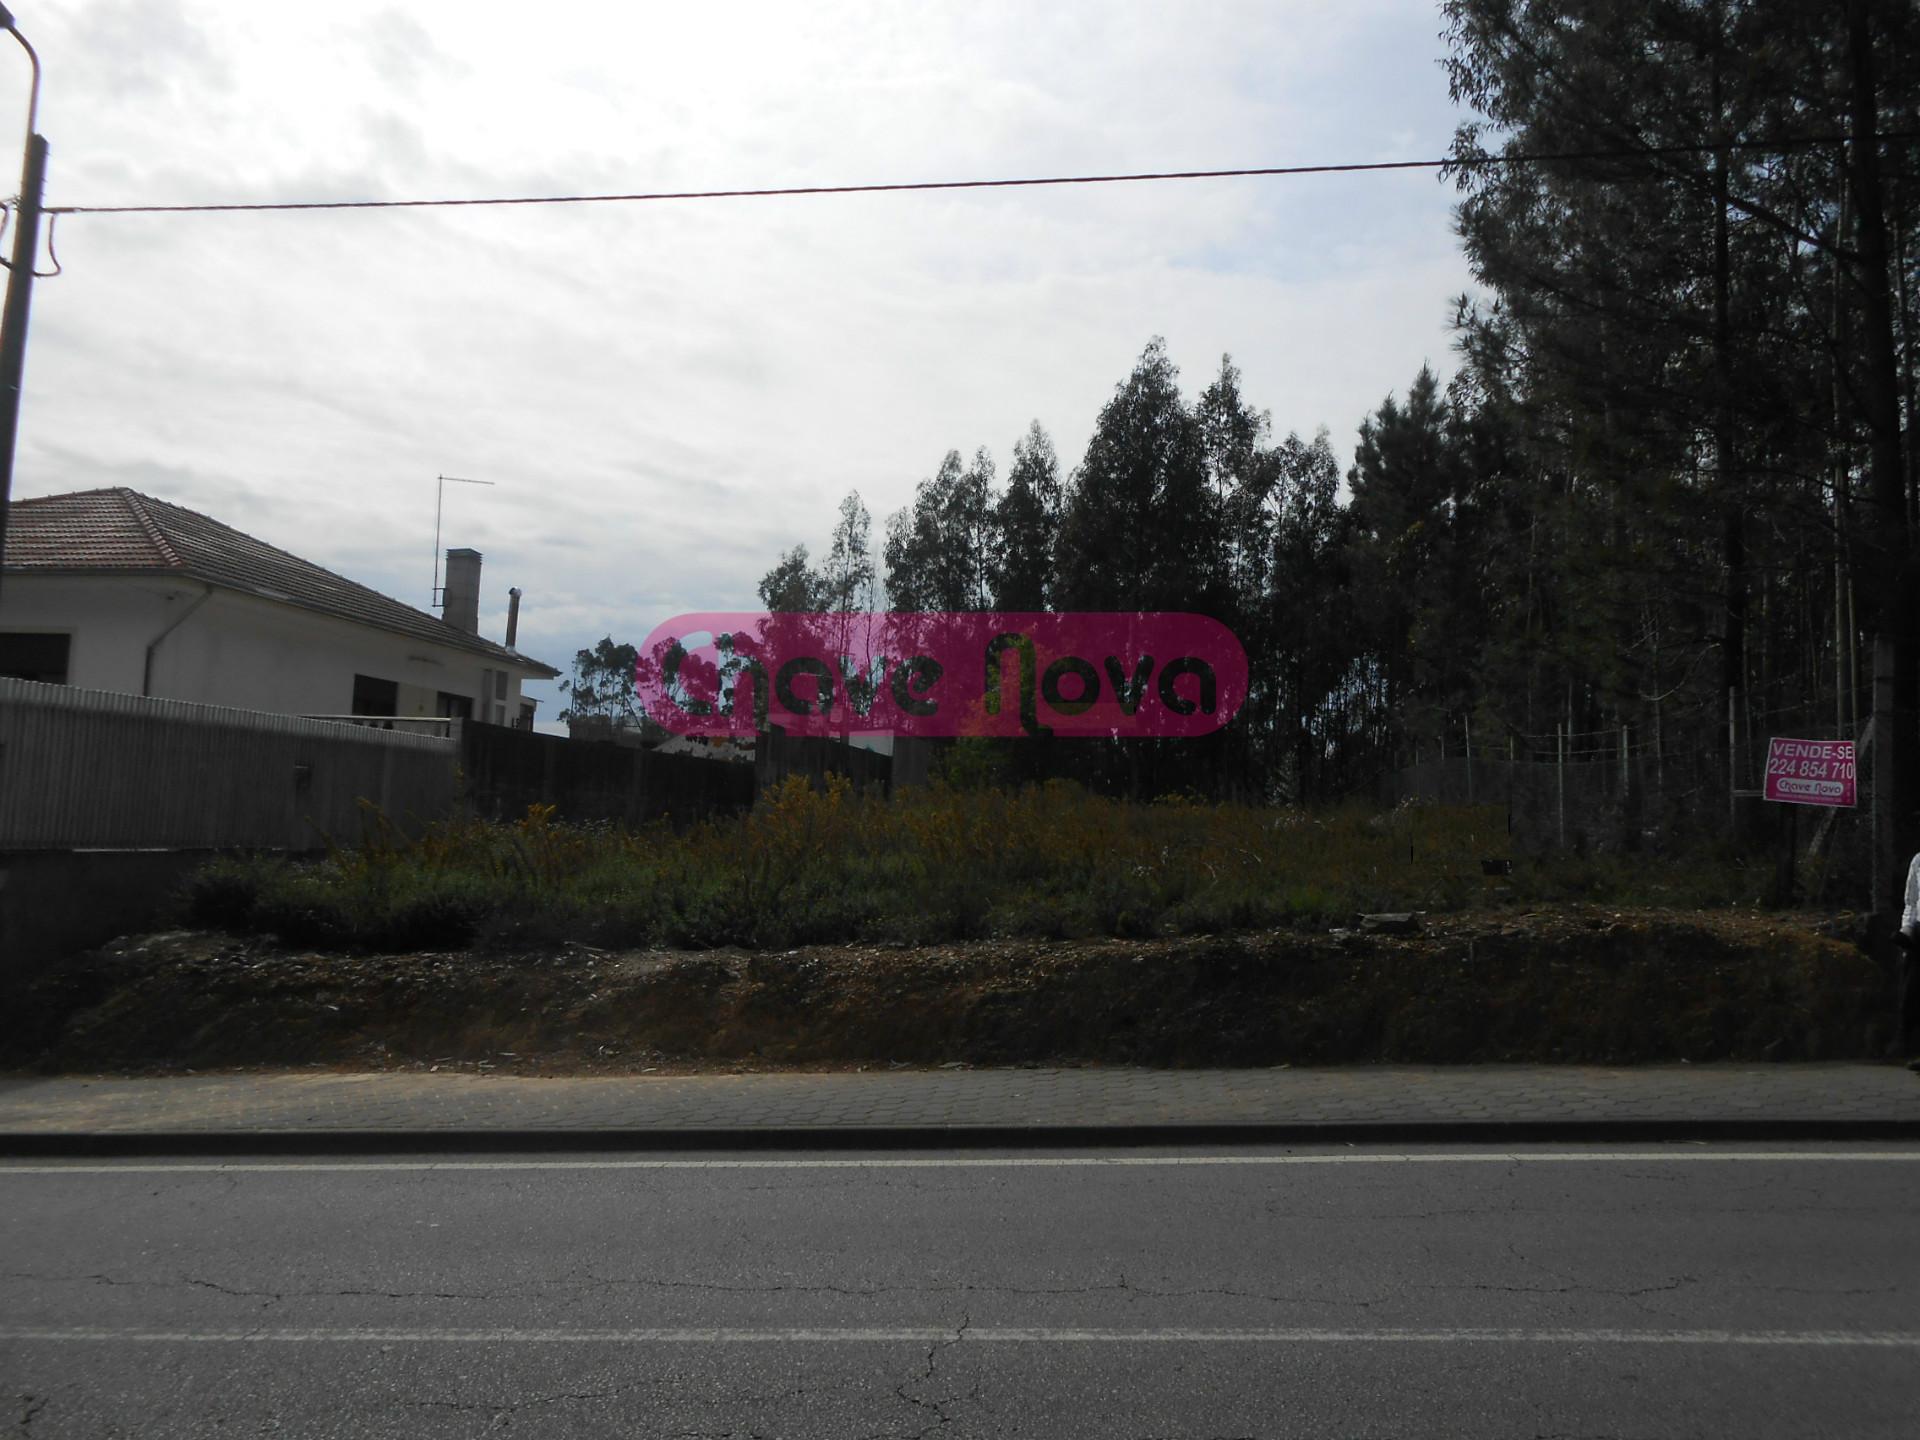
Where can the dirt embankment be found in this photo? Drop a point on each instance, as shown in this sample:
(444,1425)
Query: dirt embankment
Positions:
(1593,986)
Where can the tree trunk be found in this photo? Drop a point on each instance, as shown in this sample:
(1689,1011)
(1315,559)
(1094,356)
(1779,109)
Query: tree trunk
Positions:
(1733,658)
(1889,542)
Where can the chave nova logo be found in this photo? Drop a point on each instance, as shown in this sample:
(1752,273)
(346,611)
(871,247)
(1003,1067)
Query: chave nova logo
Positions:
(1155,673)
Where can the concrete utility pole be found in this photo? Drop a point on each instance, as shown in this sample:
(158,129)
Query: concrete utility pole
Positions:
(26,244)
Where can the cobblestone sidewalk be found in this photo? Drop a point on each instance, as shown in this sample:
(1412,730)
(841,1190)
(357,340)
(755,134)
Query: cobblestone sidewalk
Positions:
(1342,1100)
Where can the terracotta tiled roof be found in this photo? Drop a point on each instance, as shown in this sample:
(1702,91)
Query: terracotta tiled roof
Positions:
(121,531)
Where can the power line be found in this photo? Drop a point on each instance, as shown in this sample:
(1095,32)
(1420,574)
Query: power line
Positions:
(1470,162)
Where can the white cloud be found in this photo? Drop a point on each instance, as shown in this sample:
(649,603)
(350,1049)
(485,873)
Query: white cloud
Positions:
(669,394)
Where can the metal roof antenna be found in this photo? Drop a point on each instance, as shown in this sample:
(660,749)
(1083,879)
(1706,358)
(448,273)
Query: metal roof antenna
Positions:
(438,595)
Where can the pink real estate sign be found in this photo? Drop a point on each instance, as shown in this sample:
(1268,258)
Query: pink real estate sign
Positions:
(1810,772)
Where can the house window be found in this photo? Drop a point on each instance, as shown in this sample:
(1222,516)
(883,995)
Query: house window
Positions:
(499,684)
(25,655)
(374,696)
(454,707)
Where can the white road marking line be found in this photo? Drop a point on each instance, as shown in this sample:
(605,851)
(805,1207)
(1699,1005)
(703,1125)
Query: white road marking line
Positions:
(920,1335)
(1001,1162)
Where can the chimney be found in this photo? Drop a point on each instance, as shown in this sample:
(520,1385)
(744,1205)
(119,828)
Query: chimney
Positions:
(513,615)
(460,603)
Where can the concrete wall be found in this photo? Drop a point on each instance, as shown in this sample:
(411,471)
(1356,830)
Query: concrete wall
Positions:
(54,903)
(239,650)
(109,622)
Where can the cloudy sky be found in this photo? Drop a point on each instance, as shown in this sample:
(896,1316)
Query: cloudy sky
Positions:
(668,394)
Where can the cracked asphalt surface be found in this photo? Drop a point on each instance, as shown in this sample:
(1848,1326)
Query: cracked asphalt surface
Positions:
(1666,1291)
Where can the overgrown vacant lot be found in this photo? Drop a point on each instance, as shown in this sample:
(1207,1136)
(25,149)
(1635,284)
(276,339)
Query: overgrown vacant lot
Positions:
(973,926)
(811,867)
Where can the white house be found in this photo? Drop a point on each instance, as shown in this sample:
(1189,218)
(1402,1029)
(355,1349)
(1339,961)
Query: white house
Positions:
(115,590)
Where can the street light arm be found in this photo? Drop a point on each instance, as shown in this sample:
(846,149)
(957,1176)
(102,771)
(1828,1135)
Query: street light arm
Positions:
(33,113)
(33,95)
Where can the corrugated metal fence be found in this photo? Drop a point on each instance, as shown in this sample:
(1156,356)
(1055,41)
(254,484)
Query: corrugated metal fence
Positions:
(507,770)
(88,768)
(778,755)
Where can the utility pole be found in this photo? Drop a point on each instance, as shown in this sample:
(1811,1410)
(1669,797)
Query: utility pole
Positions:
(13,320)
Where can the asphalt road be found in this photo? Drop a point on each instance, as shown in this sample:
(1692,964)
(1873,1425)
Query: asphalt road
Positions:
(1686,1290)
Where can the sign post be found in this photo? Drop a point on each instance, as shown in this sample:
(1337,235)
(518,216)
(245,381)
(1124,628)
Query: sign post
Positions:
(1806,772)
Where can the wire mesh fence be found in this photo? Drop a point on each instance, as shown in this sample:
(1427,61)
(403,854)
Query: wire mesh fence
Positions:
(1609,791)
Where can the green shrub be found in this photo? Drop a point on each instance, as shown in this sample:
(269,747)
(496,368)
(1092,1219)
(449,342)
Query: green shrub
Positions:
(223,894)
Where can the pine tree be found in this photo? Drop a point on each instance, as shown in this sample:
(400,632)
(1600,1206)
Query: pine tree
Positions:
(1026,525)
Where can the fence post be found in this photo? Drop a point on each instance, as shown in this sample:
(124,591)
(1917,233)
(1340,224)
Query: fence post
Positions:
(1625,778)
(1509,784)
(548,760)
(1560,745)
(1466,725)
(1733,770)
